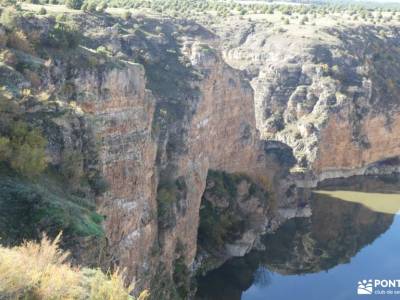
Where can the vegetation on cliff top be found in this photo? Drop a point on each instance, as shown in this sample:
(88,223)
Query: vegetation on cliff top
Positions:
(41,271)
(213,11)
(37,193)
(31,207)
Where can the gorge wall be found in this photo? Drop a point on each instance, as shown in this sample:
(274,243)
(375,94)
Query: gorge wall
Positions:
(158,109)
(324,92)
(180,120)
(161,129)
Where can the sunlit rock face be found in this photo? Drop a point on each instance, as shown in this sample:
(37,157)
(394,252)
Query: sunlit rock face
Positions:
(122,111)
(165,107)
(160,124)
(330,95)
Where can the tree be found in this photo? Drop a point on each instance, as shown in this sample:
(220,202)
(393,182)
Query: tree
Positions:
(24,149)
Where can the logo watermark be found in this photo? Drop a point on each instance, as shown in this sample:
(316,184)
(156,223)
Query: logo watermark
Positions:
(365,287)
(378,287)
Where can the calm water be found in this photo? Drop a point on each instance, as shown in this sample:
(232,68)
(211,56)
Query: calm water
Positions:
(353,234)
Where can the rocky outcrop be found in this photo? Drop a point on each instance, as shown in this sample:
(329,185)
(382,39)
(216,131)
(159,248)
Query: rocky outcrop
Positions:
(326,94)
(156,107)
(164,123)
(122,111)
(159,126)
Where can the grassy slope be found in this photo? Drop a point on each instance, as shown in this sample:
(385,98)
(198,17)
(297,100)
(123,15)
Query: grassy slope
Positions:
(28,208)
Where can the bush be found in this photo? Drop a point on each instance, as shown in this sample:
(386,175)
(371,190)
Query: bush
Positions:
(18,40)
(5,149)
(74,4)
(42,11)
(304,20)
(99,184)
(24,150)
(41,271)
(9,17)
(216,227)
(102,51)
(71,166)
(166,197)
(29,208)
(63,36)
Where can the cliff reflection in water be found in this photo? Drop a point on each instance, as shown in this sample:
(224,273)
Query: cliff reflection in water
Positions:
(334,234)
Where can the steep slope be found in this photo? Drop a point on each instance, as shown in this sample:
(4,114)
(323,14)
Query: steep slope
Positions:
(153,107)
(325,92)
(183,139)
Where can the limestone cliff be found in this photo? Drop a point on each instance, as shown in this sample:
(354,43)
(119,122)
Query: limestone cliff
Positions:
(324,92)
(158,108)
(152,105)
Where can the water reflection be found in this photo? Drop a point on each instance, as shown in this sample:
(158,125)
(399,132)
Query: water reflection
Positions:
(384,203)
(343,222)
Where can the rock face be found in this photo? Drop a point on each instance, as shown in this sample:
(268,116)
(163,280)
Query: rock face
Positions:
(162,110)
(325,94)
(122,110)
(160,126)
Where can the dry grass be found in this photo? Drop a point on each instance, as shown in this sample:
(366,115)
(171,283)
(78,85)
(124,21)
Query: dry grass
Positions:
(18,40)
(40,271)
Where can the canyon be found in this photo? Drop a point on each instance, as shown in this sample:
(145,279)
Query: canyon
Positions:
(184,121)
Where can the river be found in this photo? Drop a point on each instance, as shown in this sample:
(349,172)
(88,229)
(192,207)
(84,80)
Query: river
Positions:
(352,235)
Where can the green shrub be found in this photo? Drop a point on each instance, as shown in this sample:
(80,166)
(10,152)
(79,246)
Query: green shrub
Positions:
(44,205)
(224,184)
(166,197)
(304,20)
(217,226)
(42,11)
(24,150)
(9,17)
(5,148)
(99,184)
(63,36)
(74,4)
(181,277)
(102,51)
(71,166)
